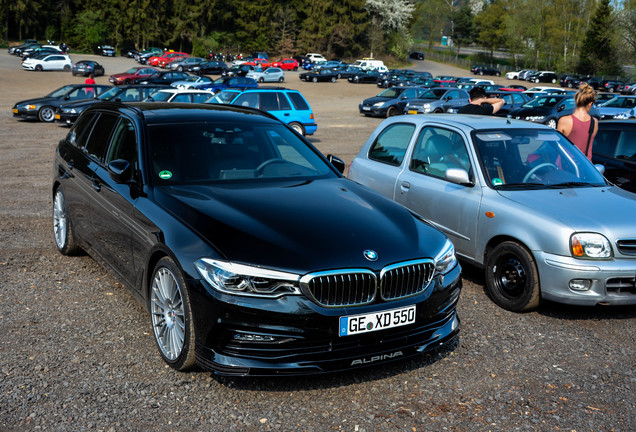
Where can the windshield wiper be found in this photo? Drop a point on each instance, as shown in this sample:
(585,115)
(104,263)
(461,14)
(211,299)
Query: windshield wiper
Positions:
(519,185)
(571,184)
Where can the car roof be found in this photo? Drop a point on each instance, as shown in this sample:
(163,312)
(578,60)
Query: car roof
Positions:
(471,121)
(166,112)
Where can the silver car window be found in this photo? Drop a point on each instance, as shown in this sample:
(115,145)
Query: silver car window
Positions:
(390,146)
(438,150)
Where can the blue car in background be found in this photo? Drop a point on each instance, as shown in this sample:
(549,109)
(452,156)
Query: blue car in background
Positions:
(289,106)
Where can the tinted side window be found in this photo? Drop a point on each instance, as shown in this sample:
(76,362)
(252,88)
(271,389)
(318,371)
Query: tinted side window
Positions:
(81,130)
(124,143)
(626,147)
(247,100)
(181,98)
(390,146)
(269,102)
(98,140)
(283,102)
(298,101)
(605,142)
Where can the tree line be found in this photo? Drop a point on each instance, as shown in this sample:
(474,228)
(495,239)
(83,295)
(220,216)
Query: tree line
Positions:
(590,36)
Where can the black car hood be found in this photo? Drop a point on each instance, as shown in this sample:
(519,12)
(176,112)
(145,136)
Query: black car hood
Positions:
(301,226)
(43,101)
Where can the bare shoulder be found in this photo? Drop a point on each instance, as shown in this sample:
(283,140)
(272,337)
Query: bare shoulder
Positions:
(565,125)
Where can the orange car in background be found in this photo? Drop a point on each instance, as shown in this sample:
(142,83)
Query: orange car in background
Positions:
(154,61)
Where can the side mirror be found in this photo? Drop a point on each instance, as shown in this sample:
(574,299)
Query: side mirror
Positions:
(119,170)
(337,163)
(600,168)
(458,176)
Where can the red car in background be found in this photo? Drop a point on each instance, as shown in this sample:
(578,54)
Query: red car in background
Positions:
(132,75)
(286,64)
(264,64)
(163,63)
(154,61)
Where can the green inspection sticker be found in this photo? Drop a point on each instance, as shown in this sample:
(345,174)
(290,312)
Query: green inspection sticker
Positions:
(495,181)
(165,175)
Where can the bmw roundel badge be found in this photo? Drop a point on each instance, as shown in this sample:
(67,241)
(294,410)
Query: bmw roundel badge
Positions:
(370,255)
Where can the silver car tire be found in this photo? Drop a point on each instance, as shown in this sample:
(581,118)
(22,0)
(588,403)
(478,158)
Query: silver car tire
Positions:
(298,128)
(512,278)
(171,316)
(62,226)
(46,114)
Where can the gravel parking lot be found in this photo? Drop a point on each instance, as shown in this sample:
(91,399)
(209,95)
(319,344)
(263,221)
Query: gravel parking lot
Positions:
(76,352)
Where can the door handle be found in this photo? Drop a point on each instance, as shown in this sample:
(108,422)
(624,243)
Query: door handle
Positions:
(405,186)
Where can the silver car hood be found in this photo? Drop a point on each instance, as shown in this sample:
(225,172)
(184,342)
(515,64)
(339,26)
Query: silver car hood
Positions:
(607,210)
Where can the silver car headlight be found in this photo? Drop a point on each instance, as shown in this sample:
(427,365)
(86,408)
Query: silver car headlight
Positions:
(245,280)
(379,104)
(445,260)
(622,116)
(590,245)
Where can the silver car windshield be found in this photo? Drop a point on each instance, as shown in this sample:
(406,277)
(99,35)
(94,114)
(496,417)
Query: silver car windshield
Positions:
(532,158)
(203,152)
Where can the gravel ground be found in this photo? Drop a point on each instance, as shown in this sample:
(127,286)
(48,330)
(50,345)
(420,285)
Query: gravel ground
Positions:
(76,353)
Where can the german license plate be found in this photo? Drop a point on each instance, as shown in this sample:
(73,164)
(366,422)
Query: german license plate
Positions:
(57,117)
(15,110)
(366,108)
(365,323)
(412,112)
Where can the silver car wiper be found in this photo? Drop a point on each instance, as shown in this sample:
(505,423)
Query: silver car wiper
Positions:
(519,185)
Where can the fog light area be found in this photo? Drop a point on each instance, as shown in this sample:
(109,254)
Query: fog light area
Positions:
(580,284)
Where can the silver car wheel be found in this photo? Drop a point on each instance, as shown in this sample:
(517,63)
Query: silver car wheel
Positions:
(60,221)
(168,316)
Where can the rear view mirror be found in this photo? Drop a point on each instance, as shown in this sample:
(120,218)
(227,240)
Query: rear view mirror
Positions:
(119,171)
(337,163)
(458,176)
(600,168)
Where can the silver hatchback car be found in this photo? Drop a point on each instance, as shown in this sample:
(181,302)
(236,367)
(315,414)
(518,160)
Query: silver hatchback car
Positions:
(516,198)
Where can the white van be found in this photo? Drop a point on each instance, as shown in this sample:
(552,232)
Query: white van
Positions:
(369,63)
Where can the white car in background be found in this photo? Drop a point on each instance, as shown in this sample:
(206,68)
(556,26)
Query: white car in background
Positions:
(50,62)
(513,75)
(179,96)
(272,74)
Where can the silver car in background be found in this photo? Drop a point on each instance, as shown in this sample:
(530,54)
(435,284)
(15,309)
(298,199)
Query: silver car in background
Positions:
(272,74)
(517,199)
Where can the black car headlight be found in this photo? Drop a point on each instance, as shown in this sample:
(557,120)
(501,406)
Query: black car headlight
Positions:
(245,280)
(445,260)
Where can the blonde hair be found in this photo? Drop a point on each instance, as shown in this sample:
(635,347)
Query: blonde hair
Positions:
(585,95)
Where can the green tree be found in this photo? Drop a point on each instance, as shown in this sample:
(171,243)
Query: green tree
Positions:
(89,30)
(463,28)
(490,27)
(598,54)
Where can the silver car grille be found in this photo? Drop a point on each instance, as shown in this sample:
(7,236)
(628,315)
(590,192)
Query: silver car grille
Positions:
(627,247)
(354,287)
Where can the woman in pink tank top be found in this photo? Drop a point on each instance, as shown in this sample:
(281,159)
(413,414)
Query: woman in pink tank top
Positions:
(577,126)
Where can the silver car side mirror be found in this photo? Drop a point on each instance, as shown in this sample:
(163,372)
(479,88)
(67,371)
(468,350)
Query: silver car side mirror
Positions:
(458,176)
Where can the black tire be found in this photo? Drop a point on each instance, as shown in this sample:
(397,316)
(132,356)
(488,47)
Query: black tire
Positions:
(298,128)
(261,80)
(46,114)
(512,278)
(38,68)
(171,315)
(67,68)
(281,79)
(438,111)
(180,68)
(62,226)
(481,72)
(295,68)
(73,73)
(314,79)
(333,79)
(498,74)
(127,81)
(570,85)
(391,111)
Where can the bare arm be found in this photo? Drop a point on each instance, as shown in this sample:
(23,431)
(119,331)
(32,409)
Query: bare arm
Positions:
(565,125)
(496,104)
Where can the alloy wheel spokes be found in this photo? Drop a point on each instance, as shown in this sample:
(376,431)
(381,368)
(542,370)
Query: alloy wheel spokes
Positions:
(168,316)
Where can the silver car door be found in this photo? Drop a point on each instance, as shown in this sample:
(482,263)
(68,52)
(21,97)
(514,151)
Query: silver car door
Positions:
(422,187)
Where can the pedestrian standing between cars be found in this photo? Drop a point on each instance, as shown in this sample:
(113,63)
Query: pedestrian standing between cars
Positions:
(90,79)
(581,127)
(479,103)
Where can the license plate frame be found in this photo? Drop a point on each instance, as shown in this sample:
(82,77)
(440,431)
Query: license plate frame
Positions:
(350,325)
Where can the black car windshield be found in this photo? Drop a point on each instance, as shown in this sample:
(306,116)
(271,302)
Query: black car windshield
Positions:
(433,94)
(621,102)
(62,91)
(203,152)
(541,158)
(392,92)
(543,102)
